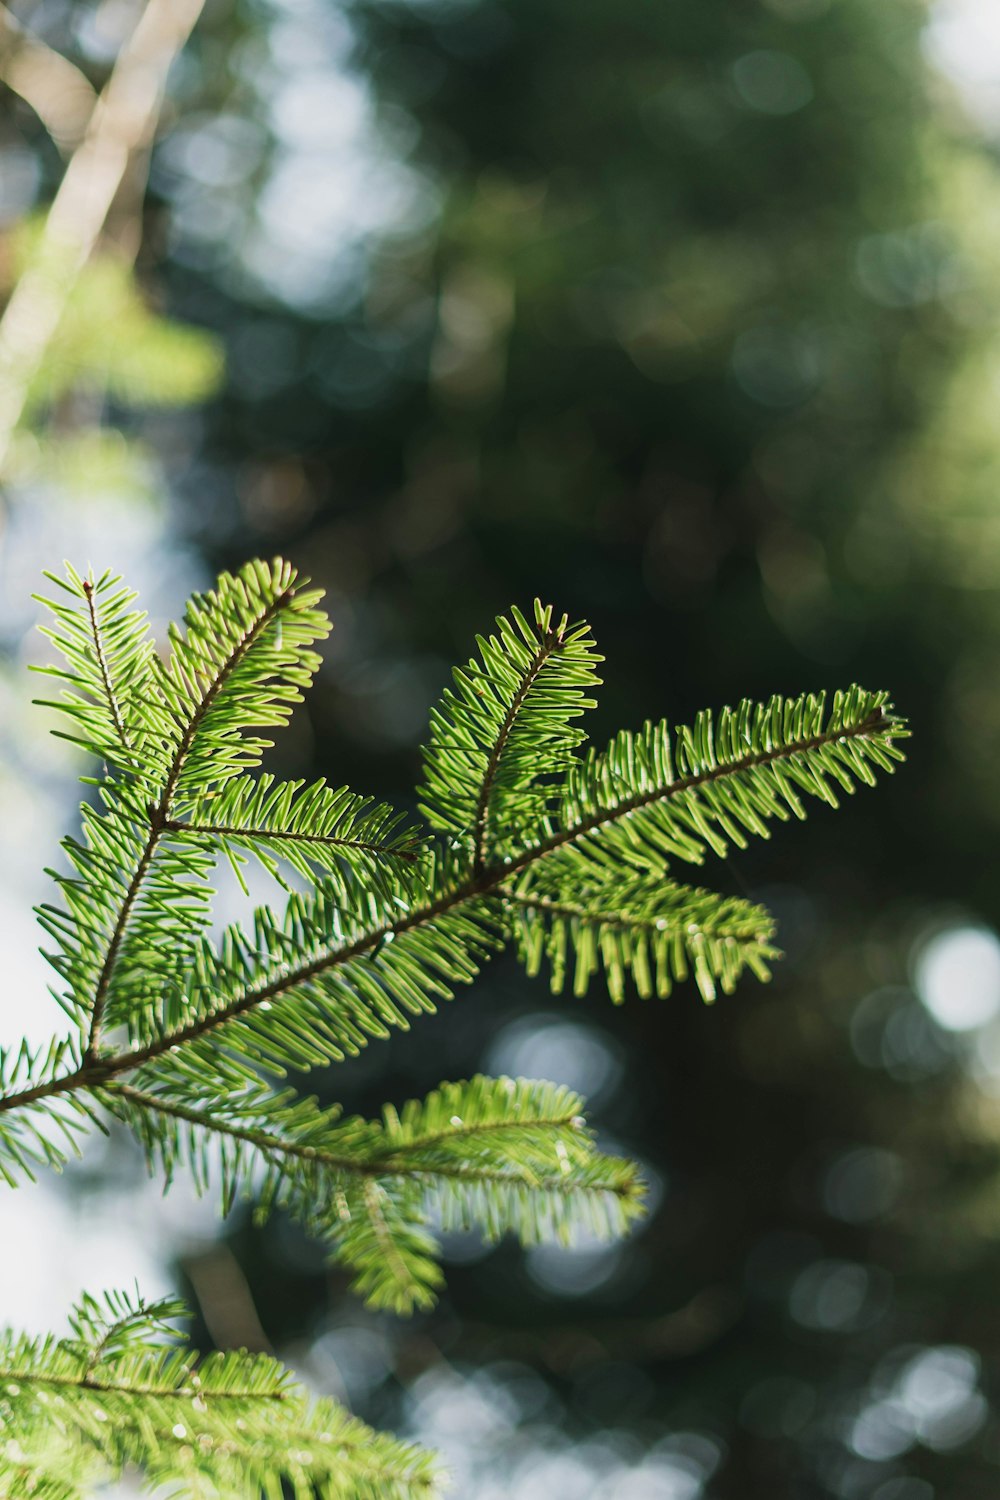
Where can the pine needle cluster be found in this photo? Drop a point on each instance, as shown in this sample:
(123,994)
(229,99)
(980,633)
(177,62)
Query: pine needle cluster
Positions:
(188,1040)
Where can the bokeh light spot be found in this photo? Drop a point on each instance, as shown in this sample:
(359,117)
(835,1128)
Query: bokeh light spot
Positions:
(541,1046)
(862,1184)
(958,977)
(573,1272)
(772,83)
(883,1430)
(838,1296)
(904,1487)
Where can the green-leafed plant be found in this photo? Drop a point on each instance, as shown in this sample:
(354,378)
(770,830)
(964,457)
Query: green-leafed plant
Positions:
(568,855)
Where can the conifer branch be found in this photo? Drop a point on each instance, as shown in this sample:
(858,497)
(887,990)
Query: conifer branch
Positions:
(550,642)
(876,723)
(493,880)
(159,812)
(87,1381)
(216,683)
(104,979)
(528,901)
(263,1140)
(228,1425)
(277,836)
(392,1259)
(505,734)
(392,1162)
(569,855)
(276,988)
(117,1323)
(490,881)
(495,1154)
(105,671)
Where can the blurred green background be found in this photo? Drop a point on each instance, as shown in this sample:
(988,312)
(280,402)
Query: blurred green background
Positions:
(686,317)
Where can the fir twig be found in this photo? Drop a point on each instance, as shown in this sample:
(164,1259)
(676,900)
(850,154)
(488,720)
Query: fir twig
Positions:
(95,1071)
(320,840)
(569,855)
(159,812)
(105,671)
(549,642)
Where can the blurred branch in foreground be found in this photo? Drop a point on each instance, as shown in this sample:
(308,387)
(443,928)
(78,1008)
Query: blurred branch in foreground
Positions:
(122,121)
(61,95)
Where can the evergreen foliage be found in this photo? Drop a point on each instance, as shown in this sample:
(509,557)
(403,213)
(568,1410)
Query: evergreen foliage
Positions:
(186,1040)
(507,725)
(117,1392)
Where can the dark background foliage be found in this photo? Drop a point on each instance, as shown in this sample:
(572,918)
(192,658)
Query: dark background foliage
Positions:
(683,319)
